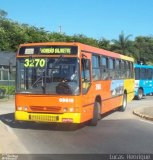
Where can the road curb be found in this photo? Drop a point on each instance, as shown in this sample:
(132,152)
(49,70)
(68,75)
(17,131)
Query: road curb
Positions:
(142,115)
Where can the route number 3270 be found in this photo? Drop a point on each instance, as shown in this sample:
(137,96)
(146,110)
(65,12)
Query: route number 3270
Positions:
(34,62)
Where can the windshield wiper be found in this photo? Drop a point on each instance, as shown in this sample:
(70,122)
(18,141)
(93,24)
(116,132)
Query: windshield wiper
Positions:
(58,60)
(40,79)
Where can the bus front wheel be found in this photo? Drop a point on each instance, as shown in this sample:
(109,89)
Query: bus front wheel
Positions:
(140,94)
(96,114)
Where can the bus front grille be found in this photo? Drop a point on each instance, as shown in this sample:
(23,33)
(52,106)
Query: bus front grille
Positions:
(50,109)
(43,118)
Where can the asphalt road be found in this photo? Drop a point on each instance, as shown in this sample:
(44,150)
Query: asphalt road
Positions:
(118,132)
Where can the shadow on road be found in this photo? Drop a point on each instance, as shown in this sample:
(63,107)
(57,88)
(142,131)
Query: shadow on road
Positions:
(143,98)
(9,120)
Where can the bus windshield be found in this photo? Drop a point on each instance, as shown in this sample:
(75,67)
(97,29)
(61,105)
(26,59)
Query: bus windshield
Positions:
(48,76)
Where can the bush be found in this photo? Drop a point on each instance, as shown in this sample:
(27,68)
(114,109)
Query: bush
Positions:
(7,90)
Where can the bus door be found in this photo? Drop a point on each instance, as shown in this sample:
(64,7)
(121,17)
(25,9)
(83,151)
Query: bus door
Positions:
(87,97)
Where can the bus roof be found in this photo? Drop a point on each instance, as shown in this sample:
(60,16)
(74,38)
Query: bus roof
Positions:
(143,66)
(83,48)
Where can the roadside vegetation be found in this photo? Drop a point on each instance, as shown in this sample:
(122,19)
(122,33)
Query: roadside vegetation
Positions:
(13,33)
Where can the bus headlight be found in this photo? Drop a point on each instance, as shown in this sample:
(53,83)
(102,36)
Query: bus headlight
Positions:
(65,109)
(25,108)
(19,108)
(71,109)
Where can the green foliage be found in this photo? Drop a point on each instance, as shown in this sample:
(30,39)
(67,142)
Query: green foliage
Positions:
(144,46)
(4,41)
(3,13)
(8,90)
(86,40)
(104,43)
(122,45)
(12,34)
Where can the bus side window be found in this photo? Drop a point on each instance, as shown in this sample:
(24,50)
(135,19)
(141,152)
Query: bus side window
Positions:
(131,70)
(96,75)
(85,75)
(137,73)
(128,70)
(122,73)
(112,68)
(143,75)
(125,70)
(149,74)
(105,72)
(118,69)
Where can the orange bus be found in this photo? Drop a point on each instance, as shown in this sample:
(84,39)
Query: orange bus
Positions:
(70,82)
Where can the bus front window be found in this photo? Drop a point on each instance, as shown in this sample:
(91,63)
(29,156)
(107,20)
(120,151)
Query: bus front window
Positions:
(48,76)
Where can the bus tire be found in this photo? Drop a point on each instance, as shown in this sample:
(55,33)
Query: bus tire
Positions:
(124,103)
(140,94)
(96,114)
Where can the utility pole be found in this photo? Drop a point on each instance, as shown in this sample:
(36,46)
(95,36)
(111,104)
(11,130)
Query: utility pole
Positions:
(60,29)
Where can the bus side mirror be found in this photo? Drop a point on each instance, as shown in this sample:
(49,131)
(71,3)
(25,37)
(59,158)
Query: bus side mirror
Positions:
(86,63)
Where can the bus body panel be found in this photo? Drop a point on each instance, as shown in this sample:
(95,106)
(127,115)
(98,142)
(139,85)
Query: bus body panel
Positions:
(41,117)
(41,105)
(129,87)
(108,102)
(146,85)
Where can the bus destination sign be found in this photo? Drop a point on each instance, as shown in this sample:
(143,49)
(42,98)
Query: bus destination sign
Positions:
(48,50)
(55,50)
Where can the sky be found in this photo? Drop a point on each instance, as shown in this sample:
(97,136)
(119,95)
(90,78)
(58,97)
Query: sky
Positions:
(92,18)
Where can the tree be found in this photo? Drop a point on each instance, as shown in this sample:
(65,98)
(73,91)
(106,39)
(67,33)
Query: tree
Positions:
(3,13)
(4,44)
(84,39)
(12,34)
(104,44)
(122,44)
(144,47)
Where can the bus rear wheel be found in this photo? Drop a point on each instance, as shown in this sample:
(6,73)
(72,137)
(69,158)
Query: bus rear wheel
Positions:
(140,94)
(124,103)
(96,115)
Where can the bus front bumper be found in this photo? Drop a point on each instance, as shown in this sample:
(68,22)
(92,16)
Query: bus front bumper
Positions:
(41,117)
